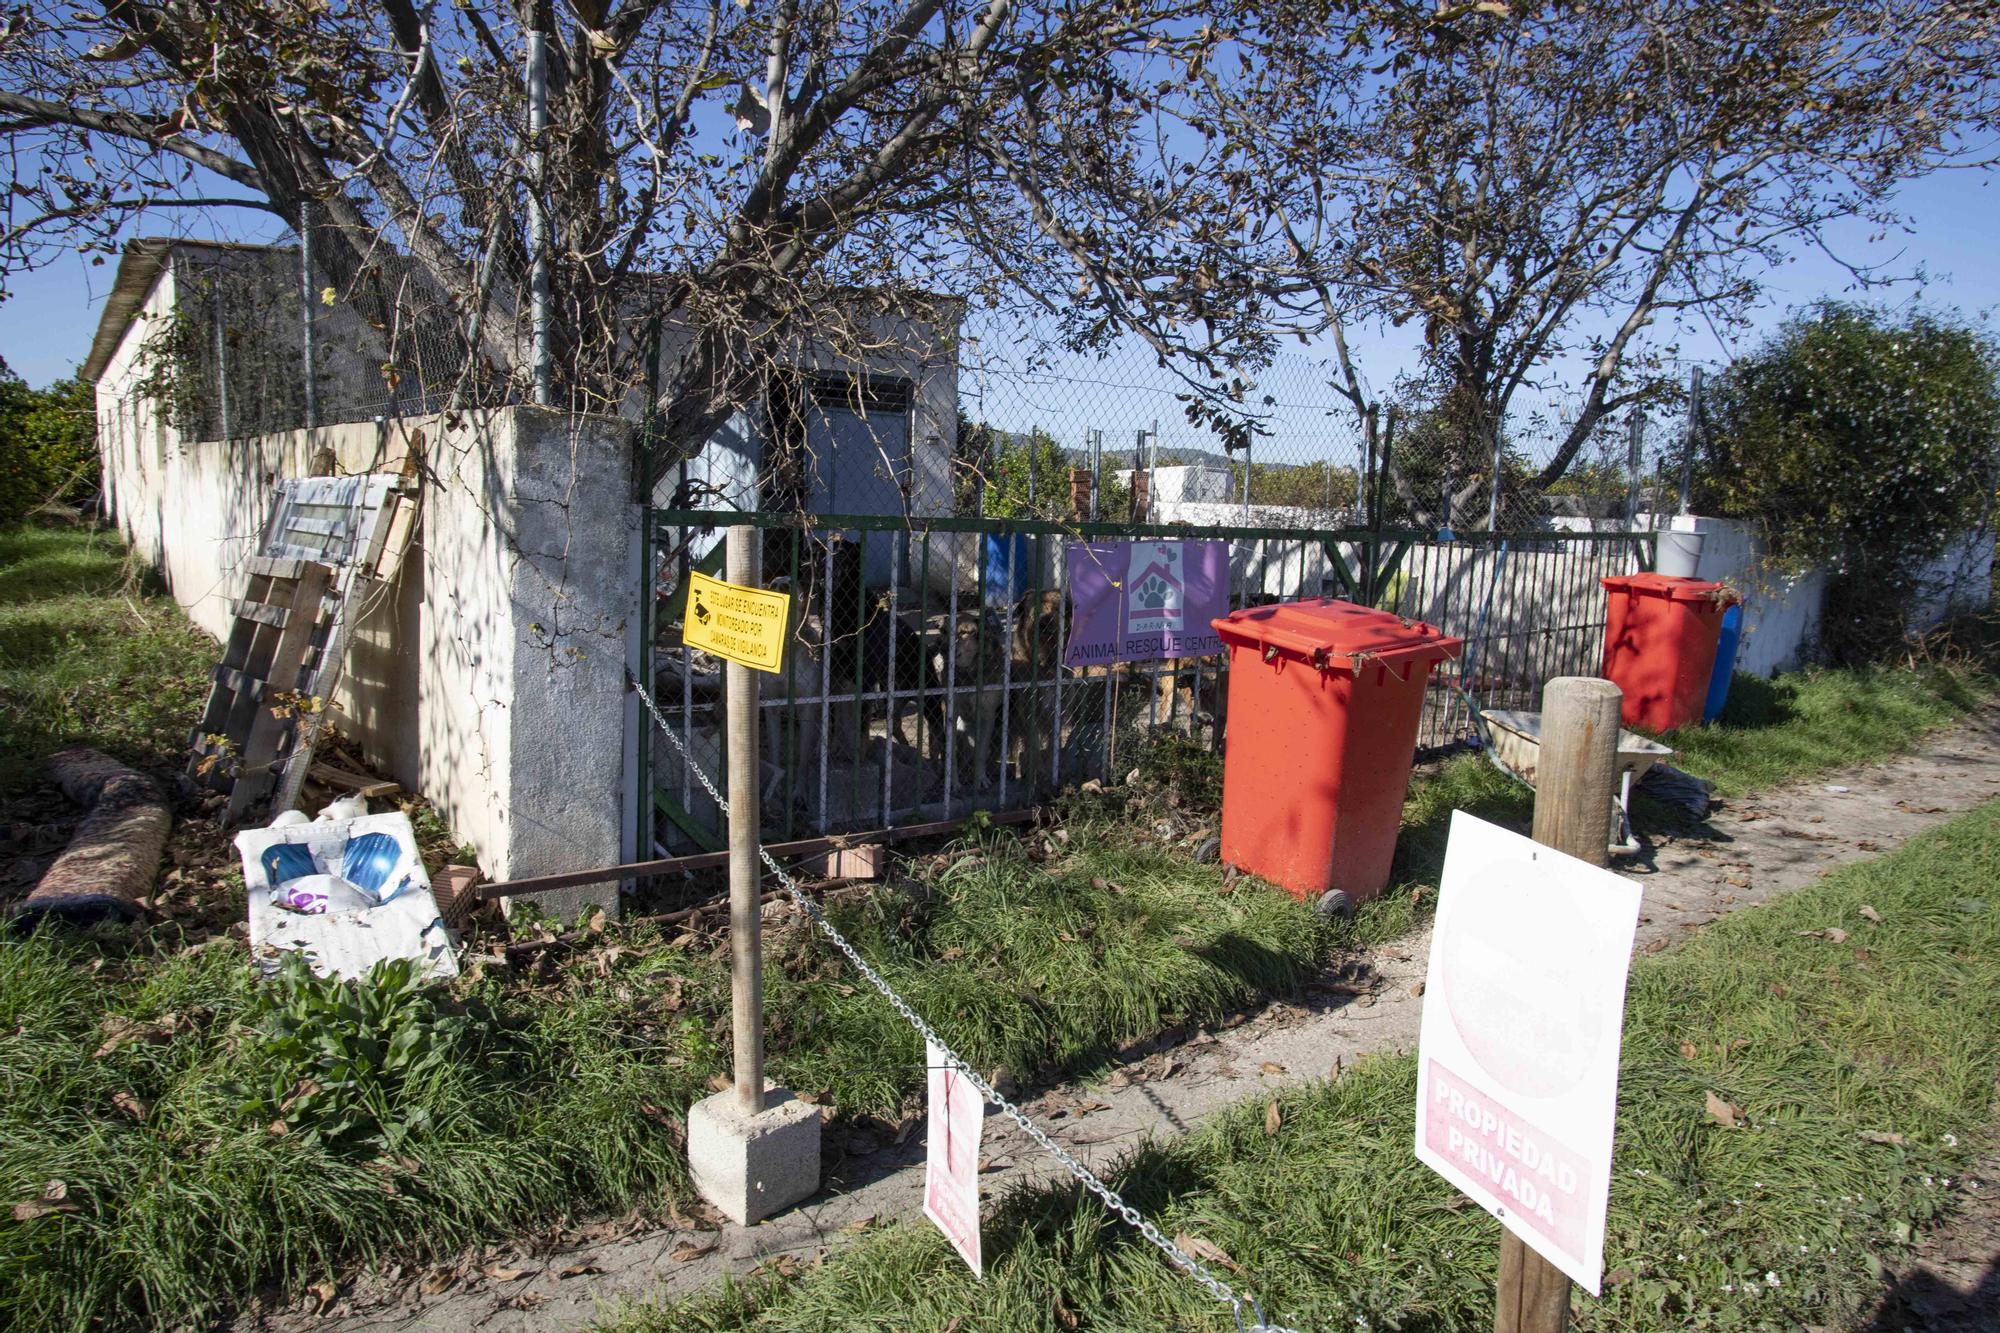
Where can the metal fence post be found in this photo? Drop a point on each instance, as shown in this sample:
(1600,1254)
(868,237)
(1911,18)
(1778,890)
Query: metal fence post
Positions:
(308,349)
(1635,448)
(746,960)
(538,222)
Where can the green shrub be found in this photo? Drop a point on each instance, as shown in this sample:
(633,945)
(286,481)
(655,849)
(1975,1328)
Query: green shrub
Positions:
(346,1062)
(48,444)
(1862,445)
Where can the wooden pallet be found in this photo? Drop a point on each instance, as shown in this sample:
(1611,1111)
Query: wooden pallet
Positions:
(367,561)
(253,710)
(326,541)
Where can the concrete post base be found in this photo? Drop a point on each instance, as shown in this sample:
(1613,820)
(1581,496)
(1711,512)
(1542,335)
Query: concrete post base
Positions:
(751,1166)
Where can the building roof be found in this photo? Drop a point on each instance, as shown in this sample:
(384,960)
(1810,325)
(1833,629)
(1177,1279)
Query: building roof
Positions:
(138,269)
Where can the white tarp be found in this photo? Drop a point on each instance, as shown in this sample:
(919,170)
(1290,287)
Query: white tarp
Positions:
(345,943)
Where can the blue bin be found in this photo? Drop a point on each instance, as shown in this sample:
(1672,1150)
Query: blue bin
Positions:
(1725,663)
(1001,589)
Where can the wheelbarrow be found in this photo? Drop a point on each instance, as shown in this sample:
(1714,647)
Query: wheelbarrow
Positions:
(1513,741)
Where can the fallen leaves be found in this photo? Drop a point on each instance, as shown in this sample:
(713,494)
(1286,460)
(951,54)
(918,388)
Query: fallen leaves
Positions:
(501,1273)
(119,1030)
(1689,1050)
(578,1270)
(1834,933)
(1272,1067)
(665,1119)
(131,1104)
(1273,1119)
(297,1093)
(686,1251)
(1207,1251)
(1726,1114)
(1868,911)
(1889,1137)
(54,1199)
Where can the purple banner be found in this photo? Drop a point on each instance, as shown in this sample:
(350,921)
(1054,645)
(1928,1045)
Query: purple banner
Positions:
(1140,601)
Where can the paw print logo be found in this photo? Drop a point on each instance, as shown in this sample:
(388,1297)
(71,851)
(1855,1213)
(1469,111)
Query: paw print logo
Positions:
(701,612)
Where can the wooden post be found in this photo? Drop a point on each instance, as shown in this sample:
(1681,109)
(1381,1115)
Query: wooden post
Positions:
(1575,780)
(1576,775)
(746,952)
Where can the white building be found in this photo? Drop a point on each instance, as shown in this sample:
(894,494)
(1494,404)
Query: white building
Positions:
(491,677)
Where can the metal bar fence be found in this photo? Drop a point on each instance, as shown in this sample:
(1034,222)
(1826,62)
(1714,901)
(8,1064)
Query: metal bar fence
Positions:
(936,687)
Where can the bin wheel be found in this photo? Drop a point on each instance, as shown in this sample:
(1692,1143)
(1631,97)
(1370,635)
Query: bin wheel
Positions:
(1335,905)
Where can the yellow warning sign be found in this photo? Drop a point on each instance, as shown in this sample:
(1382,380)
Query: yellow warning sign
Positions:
(745,625)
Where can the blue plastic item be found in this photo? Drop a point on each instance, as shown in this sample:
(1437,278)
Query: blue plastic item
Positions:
(367,863)
(288,860)
(999,587)
(1725,663)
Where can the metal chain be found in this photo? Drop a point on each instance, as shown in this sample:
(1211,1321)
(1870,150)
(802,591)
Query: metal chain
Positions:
(1083,1174)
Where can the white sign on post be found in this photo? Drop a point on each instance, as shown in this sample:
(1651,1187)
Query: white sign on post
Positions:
(1517,1061)
(951,1157)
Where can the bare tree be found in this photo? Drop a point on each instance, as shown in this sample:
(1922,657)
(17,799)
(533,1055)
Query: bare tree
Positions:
(754,172)
(1534,184)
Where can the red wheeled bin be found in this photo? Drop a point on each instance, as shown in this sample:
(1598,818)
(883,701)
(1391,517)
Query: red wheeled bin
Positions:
(1324,701)
(1659,645)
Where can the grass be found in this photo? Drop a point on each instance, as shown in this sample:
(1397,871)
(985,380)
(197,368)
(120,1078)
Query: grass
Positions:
(564,1074)
(563,1080)
(90,654)
(1786,1222)
(1812,722)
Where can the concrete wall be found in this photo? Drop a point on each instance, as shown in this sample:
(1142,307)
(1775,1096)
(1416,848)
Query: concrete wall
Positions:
(1781,610)
(490,675)
(530,564)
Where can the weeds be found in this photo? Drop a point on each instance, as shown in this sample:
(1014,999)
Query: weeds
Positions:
(352,1061)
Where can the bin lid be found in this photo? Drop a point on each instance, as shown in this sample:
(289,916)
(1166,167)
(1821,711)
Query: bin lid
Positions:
(1335,633)
(1672,587)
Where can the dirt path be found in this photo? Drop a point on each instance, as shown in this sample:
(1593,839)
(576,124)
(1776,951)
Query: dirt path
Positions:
(1747,853)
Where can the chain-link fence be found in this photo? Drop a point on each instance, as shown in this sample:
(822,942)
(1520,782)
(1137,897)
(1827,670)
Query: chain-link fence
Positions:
(253,343)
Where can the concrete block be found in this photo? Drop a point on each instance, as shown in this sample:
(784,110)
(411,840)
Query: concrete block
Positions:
(751,1166)
(865,862)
